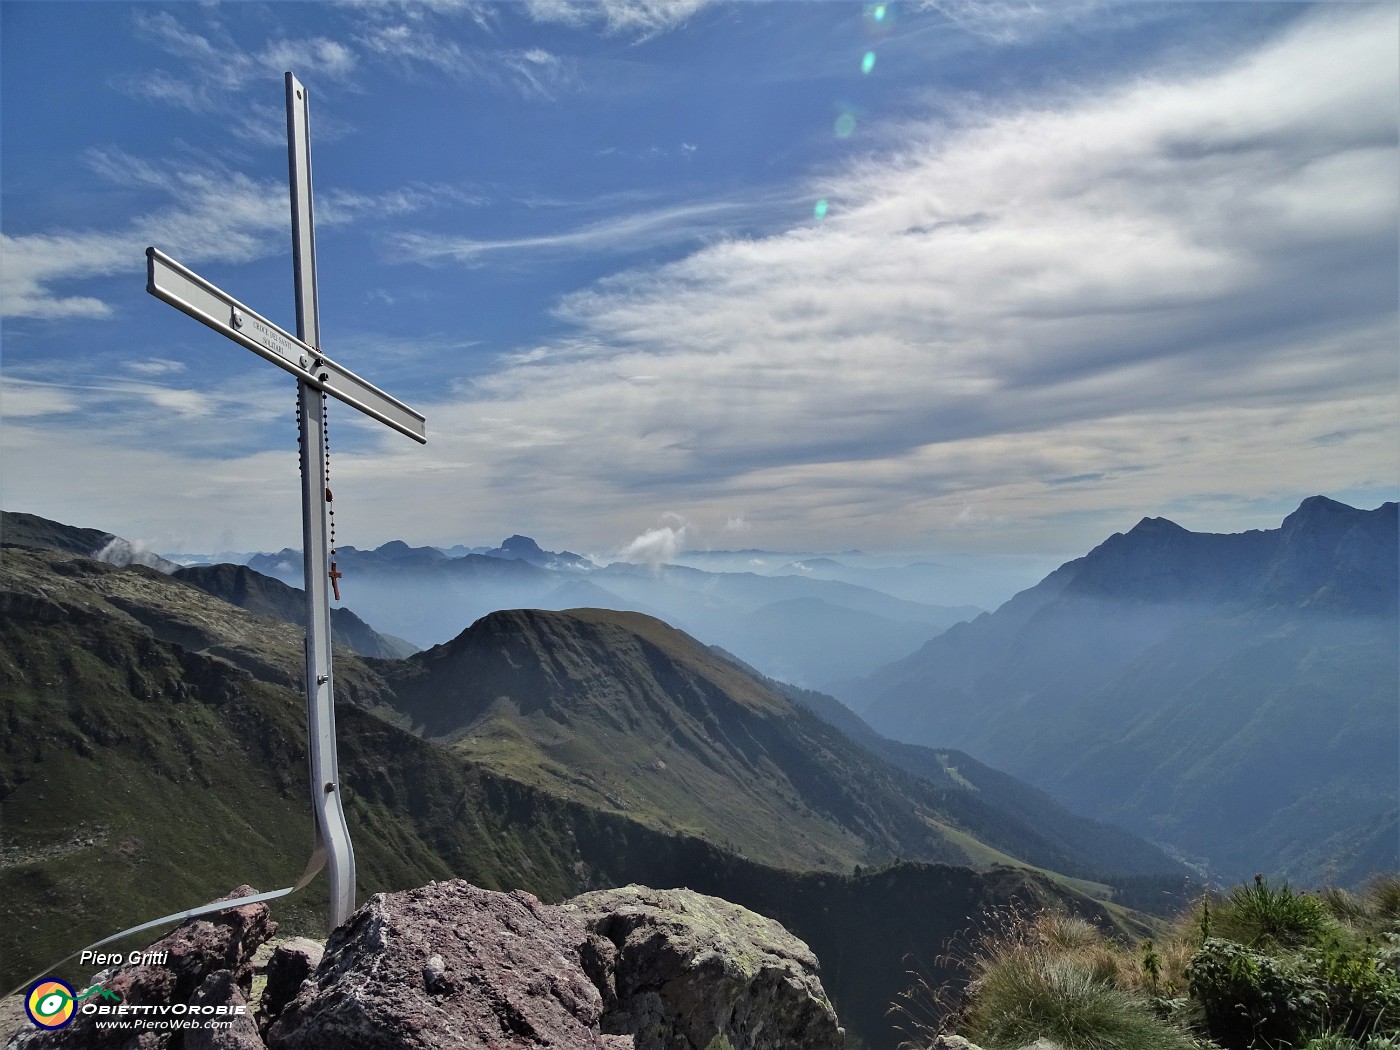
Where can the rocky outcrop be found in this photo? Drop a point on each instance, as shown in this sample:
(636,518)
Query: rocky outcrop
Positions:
(692,972)
(448,967)
(291,963)
(204,962)
(220,989)
(451,966)
(454,967)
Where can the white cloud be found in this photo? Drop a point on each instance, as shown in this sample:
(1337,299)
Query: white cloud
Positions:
(411,44)
(636,231)
(656,547)
(1090,287)
(20,400)
(310,57)
(1005,21)
(1171,292)
(219,66)
(215,215)
(639,18)
(155,366)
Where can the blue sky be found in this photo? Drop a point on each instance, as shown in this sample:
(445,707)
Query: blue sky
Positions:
(1079,263)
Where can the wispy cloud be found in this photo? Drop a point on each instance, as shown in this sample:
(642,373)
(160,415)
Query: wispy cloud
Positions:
(1127,285)
(217,65)
(155,366)
(1179,284)
(637,18)
(657,546)
(1007,21)
(414,44)
(213,215)
(636,231)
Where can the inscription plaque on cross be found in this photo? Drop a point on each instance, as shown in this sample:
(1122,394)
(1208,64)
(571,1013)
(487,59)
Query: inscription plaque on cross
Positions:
(316,375)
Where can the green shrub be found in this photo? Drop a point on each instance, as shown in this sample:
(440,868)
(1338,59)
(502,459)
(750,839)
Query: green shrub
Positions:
(1361,985)
(1253,1000)
(1261,916)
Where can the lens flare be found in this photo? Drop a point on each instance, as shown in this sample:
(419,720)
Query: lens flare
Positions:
(879,13)
(819,211)
(845,126)
(868,62)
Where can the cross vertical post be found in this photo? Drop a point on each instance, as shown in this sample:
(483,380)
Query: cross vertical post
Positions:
(317,376)
(332,834)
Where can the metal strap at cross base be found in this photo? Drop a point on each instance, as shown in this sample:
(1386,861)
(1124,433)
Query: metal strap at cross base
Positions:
(316,374)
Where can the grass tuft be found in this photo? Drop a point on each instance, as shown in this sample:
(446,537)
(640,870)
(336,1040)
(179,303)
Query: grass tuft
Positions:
(1024,996)
(1382,900)
(1051,976)
(1262,916)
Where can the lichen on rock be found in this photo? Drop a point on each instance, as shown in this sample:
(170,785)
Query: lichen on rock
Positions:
(699,973)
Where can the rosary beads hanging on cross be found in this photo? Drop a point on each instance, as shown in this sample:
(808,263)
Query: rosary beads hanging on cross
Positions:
(317,376)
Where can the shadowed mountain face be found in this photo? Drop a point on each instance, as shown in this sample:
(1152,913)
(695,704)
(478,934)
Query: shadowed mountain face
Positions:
(154,755)
(1234,695)
(263,596)
(1115,852)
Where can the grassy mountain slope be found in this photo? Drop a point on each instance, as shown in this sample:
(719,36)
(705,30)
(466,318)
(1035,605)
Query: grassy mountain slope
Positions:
(153,756)
(628,714)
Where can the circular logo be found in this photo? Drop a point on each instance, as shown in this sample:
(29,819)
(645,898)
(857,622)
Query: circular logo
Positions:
(50,1003)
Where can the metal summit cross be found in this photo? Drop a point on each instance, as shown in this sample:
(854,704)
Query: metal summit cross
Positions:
(316,374)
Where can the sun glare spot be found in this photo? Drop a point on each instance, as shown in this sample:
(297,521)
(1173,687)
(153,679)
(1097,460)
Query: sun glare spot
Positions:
(819,211)
(868,62)
(878,13)
(845,126)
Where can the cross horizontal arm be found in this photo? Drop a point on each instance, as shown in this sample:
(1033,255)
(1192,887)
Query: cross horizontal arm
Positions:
(185,290)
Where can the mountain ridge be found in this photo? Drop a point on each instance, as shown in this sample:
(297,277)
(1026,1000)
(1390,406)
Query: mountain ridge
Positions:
(627,711)
(1153,638)
(154,734)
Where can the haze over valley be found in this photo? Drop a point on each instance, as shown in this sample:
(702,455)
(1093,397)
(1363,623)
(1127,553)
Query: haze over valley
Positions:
(911,486)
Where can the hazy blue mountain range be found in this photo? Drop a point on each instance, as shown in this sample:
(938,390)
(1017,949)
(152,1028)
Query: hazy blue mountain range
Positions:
(1114,850)
(154,755)
(985,581)
(792,627)
(1233,695)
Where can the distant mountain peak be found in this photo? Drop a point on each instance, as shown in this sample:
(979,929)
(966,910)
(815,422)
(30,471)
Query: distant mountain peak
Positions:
(1319,511)
(521,545)
(398,550)
(1158,526)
